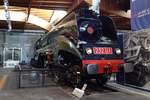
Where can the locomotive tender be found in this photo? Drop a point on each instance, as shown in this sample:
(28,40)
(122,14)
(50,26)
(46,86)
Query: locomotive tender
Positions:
(85,44)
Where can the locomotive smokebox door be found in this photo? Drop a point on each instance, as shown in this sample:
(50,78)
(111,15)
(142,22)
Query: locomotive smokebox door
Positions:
(91,69)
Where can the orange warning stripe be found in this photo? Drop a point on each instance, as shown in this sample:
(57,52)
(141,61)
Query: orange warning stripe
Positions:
(2,81)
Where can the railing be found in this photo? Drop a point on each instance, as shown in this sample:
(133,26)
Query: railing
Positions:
(33,77)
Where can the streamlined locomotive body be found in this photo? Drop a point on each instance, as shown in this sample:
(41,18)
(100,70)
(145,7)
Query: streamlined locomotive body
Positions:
(85,44)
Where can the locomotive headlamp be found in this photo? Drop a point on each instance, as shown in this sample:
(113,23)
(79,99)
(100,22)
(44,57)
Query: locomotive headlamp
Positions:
(86,26)
(88,50)
(90,30)
(118,51)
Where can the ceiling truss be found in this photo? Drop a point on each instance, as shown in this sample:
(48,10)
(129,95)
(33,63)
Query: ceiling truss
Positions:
(45,9)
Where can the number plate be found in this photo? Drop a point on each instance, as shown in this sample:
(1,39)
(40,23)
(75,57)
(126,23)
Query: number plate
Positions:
(102,50)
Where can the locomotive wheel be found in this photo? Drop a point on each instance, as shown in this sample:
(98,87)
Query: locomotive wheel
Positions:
(140,72)
(102,79)
(137,77)
(55,77)
(73,77)
(142,80)
(58,78)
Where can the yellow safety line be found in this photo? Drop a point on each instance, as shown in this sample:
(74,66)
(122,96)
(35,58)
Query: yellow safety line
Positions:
(2,81)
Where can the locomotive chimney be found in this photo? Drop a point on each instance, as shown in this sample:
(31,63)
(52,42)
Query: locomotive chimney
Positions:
(96,5)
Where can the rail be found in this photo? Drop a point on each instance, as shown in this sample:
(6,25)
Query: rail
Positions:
(136,87)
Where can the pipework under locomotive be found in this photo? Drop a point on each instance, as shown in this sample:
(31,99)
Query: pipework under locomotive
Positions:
(85,45)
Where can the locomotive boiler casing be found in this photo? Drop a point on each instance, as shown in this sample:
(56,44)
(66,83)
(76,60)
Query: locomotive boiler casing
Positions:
(59,44)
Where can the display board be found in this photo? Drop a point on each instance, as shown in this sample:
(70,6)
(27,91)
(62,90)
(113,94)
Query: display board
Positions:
(140,14)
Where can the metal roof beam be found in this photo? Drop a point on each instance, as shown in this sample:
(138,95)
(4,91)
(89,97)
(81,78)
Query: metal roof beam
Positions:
(29,9)
(77,3)
(54,1)
(113,9)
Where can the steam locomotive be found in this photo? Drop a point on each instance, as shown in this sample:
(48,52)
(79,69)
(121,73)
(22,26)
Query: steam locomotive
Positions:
(84,46)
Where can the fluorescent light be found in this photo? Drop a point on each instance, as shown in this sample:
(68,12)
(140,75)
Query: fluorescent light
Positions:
(58,14)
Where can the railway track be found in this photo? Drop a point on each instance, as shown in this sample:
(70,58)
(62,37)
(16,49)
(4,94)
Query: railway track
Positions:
(92,89)
(136,87)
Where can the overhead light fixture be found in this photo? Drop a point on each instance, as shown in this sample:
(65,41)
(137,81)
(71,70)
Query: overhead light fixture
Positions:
(7,14)
(55,16)
(96,5)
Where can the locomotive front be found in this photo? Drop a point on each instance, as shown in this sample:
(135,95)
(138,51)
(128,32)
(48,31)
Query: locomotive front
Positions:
(101,54)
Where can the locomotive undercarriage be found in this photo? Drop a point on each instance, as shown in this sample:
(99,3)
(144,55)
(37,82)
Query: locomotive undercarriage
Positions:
(137,53)
(71,76)
(139,76)
(69,72)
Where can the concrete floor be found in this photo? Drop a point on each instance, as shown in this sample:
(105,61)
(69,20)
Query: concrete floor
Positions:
(115,96)
(56,93)
(9,91)
(51,93)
